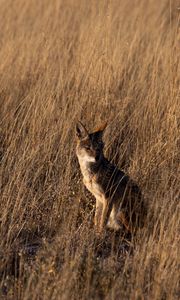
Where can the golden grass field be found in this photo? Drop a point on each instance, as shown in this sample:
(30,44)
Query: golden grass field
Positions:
(94,61)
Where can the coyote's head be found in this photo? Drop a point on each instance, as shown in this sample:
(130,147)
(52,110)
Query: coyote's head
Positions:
(89,145)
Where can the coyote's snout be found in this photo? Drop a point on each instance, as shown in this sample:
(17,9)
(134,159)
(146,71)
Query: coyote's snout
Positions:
(118,198)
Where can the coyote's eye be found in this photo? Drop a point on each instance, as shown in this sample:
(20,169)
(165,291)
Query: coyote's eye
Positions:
(87,147)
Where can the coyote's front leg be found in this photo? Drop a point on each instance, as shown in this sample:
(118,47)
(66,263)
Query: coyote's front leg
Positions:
(98,213)
(107,207)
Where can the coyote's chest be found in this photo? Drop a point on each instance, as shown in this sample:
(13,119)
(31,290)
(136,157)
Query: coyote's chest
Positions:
(90,180)
(93,186)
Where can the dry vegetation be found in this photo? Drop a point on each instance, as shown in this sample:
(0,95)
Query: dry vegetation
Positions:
(61,61)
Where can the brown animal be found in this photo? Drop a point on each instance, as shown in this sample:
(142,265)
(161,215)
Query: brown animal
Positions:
(118,197)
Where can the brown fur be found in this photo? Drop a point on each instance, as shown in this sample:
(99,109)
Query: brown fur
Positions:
(118,198)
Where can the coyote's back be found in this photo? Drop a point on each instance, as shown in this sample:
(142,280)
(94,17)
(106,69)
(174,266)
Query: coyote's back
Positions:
(118,197)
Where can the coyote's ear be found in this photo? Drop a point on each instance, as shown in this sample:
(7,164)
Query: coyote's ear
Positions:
(81,131)
(102,127)
(99,131)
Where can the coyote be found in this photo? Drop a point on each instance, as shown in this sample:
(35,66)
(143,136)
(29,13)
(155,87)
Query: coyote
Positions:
(118,198)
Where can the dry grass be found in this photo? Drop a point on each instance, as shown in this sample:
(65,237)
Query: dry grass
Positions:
(61,61)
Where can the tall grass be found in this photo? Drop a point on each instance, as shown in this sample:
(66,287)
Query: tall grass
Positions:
(61,61)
